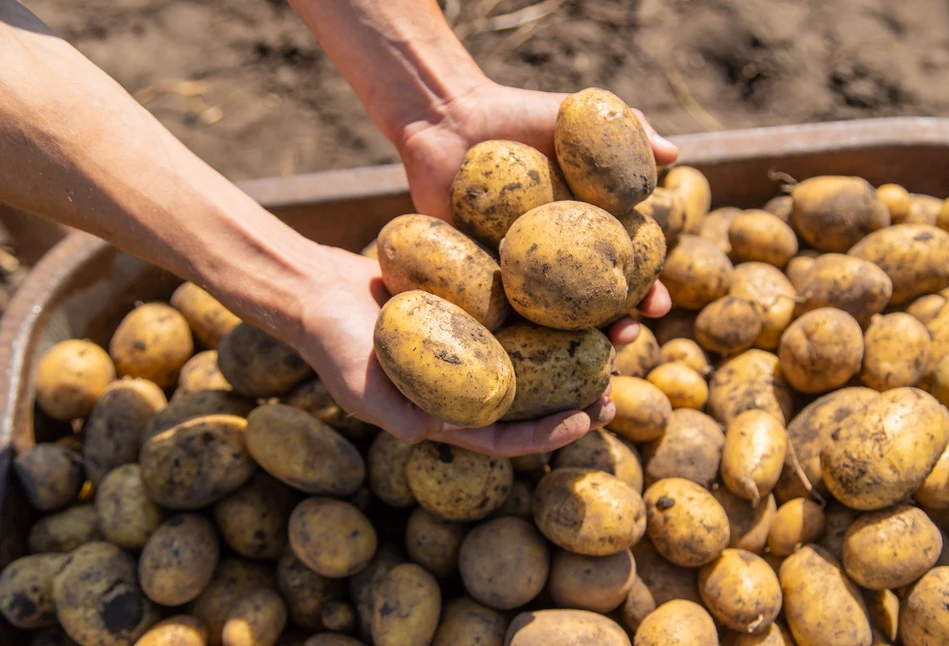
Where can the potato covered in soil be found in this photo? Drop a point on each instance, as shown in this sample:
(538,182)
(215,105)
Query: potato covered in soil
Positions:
(897,200)
(422,252)
(690,448)
(386,462)
(715,228)
(555,370)
(642,410)
(434,543)
(51,475)
(682,386)
(668,211)
(179,559)
(883,608)
(780,206)
(152,342)
(584,628)
(596,583)
(313,397)
(855,286)
(753,455)
(934,492)
(800,266)
(126,516)
(600,449)
(362,585)
(914,256)
(821,351)
(233,578)
(649,254)
(696,272)
(728,325)
(504,563)
(456,484)
(588,512)
(883,453)
(657,581)
(677,324)
(443,360)
(636,359)
(759,236)
(180,630)
(468,623)
(684,522)
(748,525)
(258,365)
(208,318)
(797,522)
(69,377)
(774,635)
(256,619)
(333,538)
(253,519)
(923,209)
(774,294)
(741,591)
(26,590)
(198,404)
(304,591)
(569,266)
(191,465)
(338,616)
(925,308)
(406,607)
(896,352)
(519,502)
(65,530)
(832,213)
(923,618)
(498,182)
(677,623)
(837,520)
(201,372)
(693,189)
(685,351)
(750,380)
(604,151)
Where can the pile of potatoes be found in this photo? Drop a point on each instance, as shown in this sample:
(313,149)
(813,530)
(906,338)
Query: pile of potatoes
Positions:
(777,472)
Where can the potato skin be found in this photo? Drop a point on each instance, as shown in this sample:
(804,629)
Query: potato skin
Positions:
(677,622)
(694,191)
(126,516)
(753,455)
(26,590)
(604,151)
(897,201)
(600,449)
(386,462)
(201,372)
(821,351)
(925,308)
(774,635)
(685,351)
(934,492)
(443,360)
(636,359)
(800,266)
(772,292)
(256,619)
(64,531)
(51,475)
(690,448)
(728,325)
(837,520)
(677,324)
(750,380)
(253,519)
(748,525)
(883,453)
(642,410)
(588,512)
(897,351)
(363,584)
(696,272)
(504,563)
(333,538)
(406,607)
(258,365)
(468,623)
(198,404)
(180,630)
(434,543)
(179,559)
(683,386)
(555,370)
(422,252)
(304,591)
(923,620)
(69,377)
(153,341)
(715,226)
(596,583)
(832,213)
(208,318)
(497,183)
(313,397)
(851,284)
(797,522)
(550,626)
(649,254)
(759,236)
(657,581)
(233,578)
(914,256)
(339,616)
(684,522)
(741,590)
(667,209)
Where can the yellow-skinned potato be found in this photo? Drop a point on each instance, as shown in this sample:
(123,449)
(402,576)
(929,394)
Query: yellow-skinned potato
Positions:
(636,359)
(741,590)
(821,351)
(51,475)
(750,380)
(126,516)
(26,590)
(685,351)
(690,448)
(683,386)
(821,605)
(498,182)
(304,591)
(600,449)
(456,484)
(897,201)
(883,608)
(588,512)
(504,563)
(422,252)
(568,265)
(914,256)
(468,623)
(180,630)
(256,619)
(313,397)
(780,207)
(253,519)
(667,209)
(832,213)
(198,404)
(925,308)
(685,523)
(923,209)
(800,266)
(406,607)
(179,560)
(555,370)
(362,585)
(208,318)
(519,502)
(759,236)
(797,522)
(837,520)
(64,531)
(923,617)
(934,492)
(333,538)
(883,453)
(339,616)
(604,151)
(896,352)
(753,455)
(696,272)
(69,377)
(728,325)
(386,463)
(677,623)
(853,285)
(642,409)
(153,341)
(889,549)
(649,254)
(201,372)
(657,581)
(748,525)
(677,324)
(443,360)
(774,635)
(233,578)
(765,285)
(694,191)
(434,543)
(715,228)
(596,583)
(551,626)
(257,365)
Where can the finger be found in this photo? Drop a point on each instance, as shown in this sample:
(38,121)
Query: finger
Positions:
(521,438)
(601,412)
(665,151)
(624,331)
(391,411)
(657,301)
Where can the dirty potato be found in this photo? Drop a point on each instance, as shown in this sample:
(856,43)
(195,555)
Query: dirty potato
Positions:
(657,581)
(65,530)
(386,462)
(677,622)
(152,342)
(233,578)
(800,266)
(685,351)
(797,522)
(753,455)
(51,475)
(855,286)
(313,397)
(339,616)
(690,448)
(636,359)
(178,560)
(821,351)
(923,209)
(896,352)
(600,449)
(683,386)
(837,520)
(596,583)
(126,516)
(208,318)
(69,377)
(914,256)
(253,519)
(363,584)
(693,189)
(748,525)
(197,404)
(774,294)
(897,200)
(642,410)
(832,213)
(434,543)
(696,272)
(258,365)
(750,380)
(684,522)
(467,623)
(715,228)
(550,626)
(759,236)
(333,538)
(729,325)
(649,254)
(201,372)
(26,590)
(304,591)
(668,211)
(180,630)
(934,492)
(677,324)
(923,619)
(406,607)
(256,619)
(741,590)
(925,308)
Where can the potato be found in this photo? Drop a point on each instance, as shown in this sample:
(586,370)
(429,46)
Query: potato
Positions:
(498,182)
(923,209)
(753,455)
(434,543)
(923,618)
(748,525)
(668,211)
(897,201)
(684,522)
(750,380)
(728,325)
(780,207)
(253,519)
(696,272)
(690,448)
(821,605)
(897,351)
(741,591)
(302,451)
(642,410)
(883,453)
(549,627)
(180,630)
(97,599)
(504,563)
(333,538)
(126,516)
(339,616)
(570,266)
(313,397)
(677,324)
(113,433)
(195,463)
(883,608)
(677,623)
(198,404)
(332,639)
(774,635)
(69,377)
(833,213)
(443,360)
(772,292)
(422,252)
(530,463)
(258,365)
(208,318)
(596,583)
(519,501)
(657,581)
(178,560)
(649,254)
(925,308)
(821,351)
(386,460)
(797,522)
(467,623)
(838,518)
(406,607)
(64,531)
(604,151)
(683,386)
(232,579)
(694,191)
(555,370)
(600,449)
(914,256)
(758,236)
(456,484)
(304,591)
(685,351)
(26,590)
(152,342)
(934,492)
(636,359)
(362,585)
(890,549)
(715,226)
(799,267)
(201,372)
(51,475)
(256,619)
(855,286)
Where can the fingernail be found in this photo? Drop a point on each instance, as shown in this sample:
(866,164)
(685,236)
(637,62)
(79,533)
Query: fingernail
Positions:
(662,142)
(606,413)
